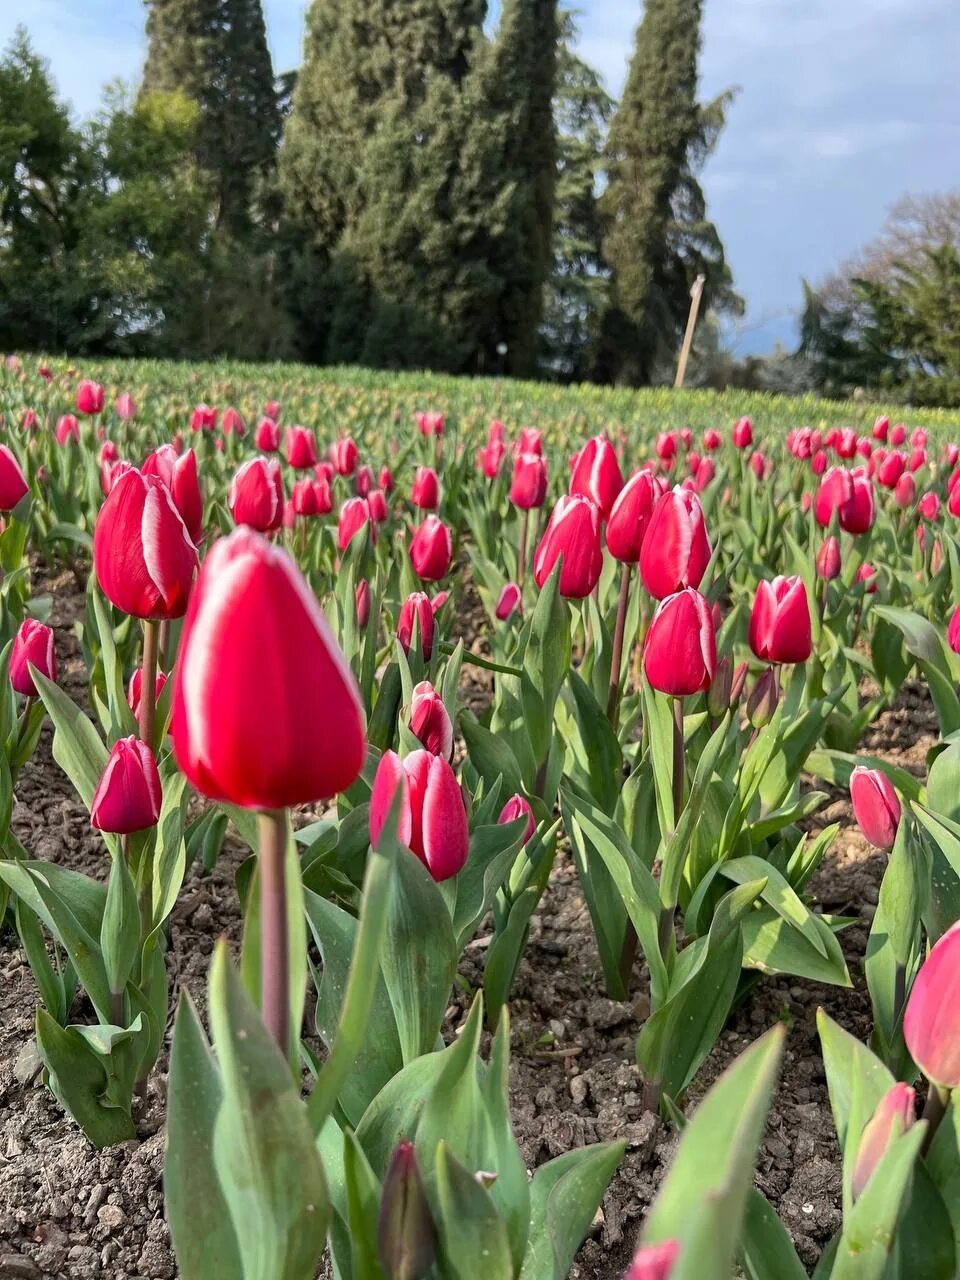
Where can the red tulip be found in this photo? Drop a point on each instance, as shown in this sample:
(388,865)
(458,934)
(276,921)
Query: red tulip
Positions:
(490,457)
(438,601)
(13,486)
(705,473)
(361,596)
(917,459)
(866,573)
(531,440)
(301,448)
(272,410)
(68,428)
(953,500)
(742,434)
(680,650)
(204,418)
(876,806)
(431,549)
(232,424)
(425,493)
(32,646)
(953,630)
(304,498)
(258,672)
(597,474)
(496,431)
(128,795)
(429,720)
(894,1115)
(712,439)
(931,1023)
(255,496)
(363,481)
(758,464)
(846,445)
(179,473)
(951,454)
(519,807)
(898,434)
(126,407)
(630,516)
(89,397)
(385,480)
(676,550)
(905,492)
(354,517)
(929,506)
(344,455)
(880,429)
(135,690)
(416,611)
(654,1261)
(780,621)
(433,820)
(511,600)
(142,553)
(430,424)
(573,532)
(666,446)
(267,436)
(891,469)
(850,494)
(528,488)
(818,464)
(828,559)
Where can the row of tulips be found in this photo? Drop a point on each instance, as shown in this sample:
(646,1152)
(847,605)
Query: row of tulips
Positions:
(674,651)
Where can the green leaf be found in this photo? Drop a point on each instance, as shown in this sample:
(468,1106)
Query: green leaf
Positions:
(766,1250)
(51,982)
(546,662)
(850,1065)
(77,747)
(85,1081)
(565,1195)
(493,852)
(491,756)
(772,945)
(120,930)
(473,1236)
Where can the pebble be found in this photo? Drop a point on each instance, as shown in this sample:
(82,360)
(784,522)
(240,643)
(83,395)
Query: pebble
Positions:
(111,1217)
(28,1065)
(14,1266)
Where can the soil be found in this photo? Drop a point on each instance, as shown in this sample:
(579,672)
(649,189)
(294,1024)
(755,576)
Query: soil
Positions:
(69,1211)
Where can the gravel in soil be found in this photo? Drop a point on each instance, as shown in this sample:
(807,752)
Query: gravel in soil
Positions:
(69,1211)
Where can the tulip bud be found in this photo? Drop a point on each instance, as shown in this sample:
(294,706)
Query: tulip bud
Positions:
(354,517)
(363,481)
(135,690)
(67,428)
(431,549)
(680,651)
(416,610)
(763,699)
(433,820)
(712,439)
(377,503)
(255,496)
(128,795)
(519,807)
(905,491)
(876,806)
(303,498)
(344,455)
(898,434)
(385,480)
(867,573)
(850,494)
(430,424)
(676,549)
(272,410)
(630,516)
(406,1236)
(931,1023)
(895,1114)
(301,448)
(880,428)
(144,558)
(666,446)
(245,729)
(718,695)
(511,599)
(232,424)
(528,488)
(32,646)
(742,434)
(597,474)
(267,436)
(89,397)
(126,407)
(531,440)
(573,532)
(429,721)
(779,628)
(13,486)
(828,559)
(654,1261)
(929,506)
(361,597)
(758,464)
(178,472)
(426,489)
(953,630)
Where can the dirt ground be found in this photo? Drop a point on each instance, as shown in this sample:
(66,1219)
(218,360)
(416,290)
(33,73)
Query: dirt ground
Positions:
(69,1211)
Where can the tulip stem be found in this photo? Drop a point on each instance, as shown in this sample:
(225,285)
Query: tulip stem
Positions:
(935,1108)
(668,909)
(522,549)
(148,689)
(163,643)
(274,952)
(616,662)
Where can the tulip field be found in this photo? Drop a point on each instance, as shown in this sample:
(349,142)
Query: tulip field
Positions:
(475,830)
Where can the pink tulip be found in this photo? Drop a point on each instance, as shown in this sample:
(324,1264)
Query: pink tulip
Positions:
(931,1023)
(779,628)
(680,650)
(519,807)
(255,496)
(654,1261)
(431,549)
(433,820)
(32,647)
(128,795)
(597,474)
(573,532)
(876,806)
(676,549)
(416,611)
(510,601)
(429,721)
(895,1114)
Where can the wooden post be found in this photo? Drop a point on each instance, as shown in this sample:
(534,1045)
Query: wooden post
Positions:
(696,293)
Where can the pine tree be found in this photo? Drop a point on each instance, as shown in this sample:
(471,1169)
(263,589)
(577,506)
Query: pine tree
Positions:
(658,237)
(215,53)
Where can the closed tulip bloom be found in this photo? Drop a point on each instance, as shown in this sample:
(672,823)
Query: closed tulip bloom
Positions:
(32,647)
(406,1235)
(344,455)
(705,473)
(425,493)
(258,672)
(304,498)
(929,506)
(742,434)
(758,464)
(905,491)
(490,457)
(135,690)
(204,418)
(597,474)
(867,573)
(531,440)
(951,454)
(510,601)
(864,447)
(666,446)
(891,469)
(300,447)
(13,486)
(29,421)
(880,429)
(850,494)
(179,473)
(953,500)
(528,488)
(680,651)
(126,406)
(363,481)
(895,1114)
(416,612)
(818,463)
(573,532)
(712,439)
(917,459)
(143,555)
(361,596)
(846,445)
(654,1261)
(898,434)
(519,807)
(931,1023)
(67,428)
(267,436)
(385,480)
(953,630)
(232,424)
(433,820)
(876,806)
(429,720)
(255,496)
(676,549)
(89,397)
(431,549)
(780,621)
(828,559)
(430,424)
(128,795)
(378,506)
(272,410)
(354,517)
(630,517)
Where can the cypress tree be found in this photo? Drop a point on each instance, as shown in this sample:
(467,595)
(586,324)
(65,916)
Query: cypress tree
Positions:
(658,237)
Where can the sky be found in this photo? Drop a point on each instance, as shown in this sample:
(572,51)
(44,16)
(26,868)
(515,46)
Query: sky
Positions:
(842,106)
